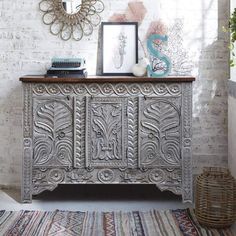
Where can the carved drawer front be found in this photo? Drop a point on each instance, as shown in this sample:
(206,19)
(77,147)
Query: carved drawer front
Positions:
(52,131)
(106,132)
(159,132)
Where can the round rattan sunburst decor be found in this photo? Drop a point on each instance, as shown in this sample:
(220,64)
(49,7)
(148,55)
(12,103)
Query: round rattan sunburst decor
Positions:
(71,18)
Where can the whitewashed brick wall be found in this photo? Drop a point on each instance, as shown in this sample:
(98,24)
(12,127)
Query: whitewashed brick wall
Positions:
(26,47)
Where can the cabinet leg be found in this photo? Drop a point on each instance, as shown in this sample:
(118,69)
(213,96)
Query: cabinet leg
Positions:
(26,196)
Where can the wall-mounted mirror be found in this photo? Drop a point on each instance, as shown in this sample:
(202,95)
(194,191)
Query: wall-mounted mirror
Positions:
(71,6)
(71,18)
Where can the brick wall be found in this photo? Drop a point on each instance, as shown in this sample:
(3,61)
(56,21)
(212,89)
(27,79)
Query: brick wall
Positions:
(26,47)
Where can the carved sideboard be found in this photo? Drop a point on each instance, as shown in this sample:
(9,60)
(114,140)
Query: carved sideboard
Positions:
(107,130)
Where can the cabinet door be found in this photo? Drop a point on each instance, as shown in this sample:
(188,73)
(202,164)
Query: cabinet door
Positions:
(106,132)
(52,131)
(159,132)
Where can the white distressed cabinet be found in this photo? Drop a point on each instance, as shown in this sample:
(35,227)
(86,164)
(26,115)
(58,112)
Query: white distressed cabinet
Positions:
(107,130)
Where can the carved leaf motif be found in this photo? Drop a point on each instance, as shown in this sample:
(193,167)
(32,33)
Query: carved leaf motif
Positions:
(53,134)
(161,117)
(53,117)
(160,134)
(42,148)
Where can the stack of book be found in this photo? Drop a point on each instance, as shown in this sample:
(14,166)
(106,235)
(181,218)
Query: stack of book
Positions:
(67,67)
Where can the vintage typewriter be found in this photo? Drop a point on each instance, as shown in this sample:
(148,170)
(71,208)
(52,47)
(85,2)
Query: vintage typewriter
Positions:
(68,67)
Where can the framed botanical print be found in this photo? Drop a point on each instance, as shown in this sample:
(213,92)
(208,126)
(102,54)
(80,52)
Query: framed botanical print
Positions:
(119,47)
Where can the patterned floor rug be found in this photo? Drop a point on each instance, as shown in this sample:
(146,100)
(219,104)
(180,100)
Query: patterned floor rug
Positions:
(68,223)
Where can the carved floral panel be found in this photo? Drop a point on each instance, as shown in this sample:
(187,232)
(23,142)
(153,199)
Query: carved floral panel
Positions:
(159,133)
(106,137)
(52,132)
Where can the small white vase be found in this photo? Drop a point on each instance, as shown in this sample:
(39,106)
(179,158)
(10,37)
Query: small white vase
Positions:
(139,70)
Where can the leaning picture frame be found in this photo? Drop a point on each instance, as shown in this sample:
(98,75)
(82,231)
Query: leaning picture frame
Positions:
(119,47)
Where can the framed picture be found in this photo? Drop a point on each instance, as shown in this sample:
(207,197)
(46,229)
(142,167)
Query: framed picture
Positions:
(119,47)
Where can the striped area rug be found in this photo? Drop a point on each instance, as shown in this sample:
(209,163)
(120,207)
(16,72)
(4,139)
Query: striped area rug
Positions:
(68,223)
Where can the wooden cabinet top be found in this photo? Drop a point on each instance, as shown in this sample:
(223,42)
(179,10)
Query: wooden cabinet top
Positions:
(104,79)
